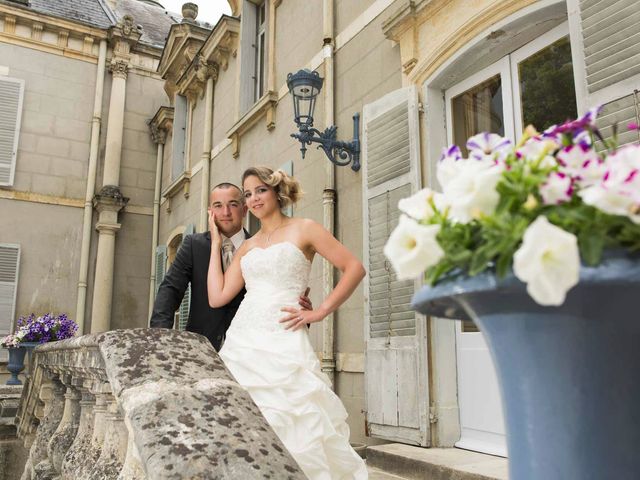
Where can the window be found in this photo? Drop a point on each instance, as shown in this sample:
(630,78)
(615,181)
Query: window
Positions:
(260,50)
(532,86)
(253,52)
(179,137)
(11,96)
(9,269)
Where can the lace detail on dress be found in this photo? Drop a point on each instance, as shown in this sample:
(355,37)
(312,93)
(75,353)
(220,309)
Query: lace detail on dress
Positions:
(275,277)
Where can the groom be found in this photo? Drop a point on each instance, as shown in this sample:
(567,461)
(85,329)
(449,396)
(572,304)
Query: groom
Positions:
(192,264)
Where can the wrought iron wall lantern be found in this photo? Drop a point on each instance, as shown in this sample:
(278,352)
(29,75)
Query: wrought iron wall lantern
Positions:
(304,87)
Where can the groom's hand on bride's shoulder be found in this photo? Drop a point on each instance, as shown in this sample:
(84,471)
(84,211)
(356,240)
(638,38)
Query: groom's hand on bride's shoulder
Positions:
(305,301)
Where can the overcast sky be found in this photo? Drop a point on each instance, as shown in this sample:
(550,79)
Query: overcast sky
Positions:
(208,10)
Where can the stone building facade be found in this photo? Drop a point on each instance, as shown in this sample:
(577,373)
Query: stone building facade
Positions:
(201,103)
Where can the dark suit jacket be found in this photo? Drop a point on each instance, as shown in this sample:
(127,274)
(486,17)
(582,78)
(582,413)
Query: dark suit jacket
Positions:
(191,266)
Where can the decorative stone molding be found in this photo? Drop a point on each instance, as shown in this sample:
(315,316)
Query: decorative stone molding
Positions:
(265,107)
(119,68)
(160,124)
(36,31)
(10,24)
(169,410)
(182,183)
(63,38)
(110,198)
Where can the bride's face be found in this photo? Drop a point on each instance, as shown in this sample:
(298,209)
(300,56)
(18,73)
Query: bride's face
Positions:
(259,197)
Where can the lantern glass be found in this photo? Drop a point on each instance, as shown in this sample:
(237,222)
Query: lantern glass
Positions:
(304,87)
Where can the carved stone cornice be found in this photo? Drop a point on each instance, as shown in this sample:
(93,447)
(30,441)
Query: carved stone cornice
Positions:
(158,135)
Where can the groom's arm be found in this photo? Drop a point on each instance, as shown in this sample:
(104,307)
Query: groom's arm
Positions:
(173,286)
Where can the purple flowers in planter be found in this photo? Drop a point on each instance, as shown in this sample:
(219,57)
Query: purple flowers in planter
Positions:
(42,329)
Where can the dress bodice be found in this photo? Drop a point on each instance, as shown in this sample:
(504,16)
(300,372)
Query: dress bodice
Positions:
(274,277)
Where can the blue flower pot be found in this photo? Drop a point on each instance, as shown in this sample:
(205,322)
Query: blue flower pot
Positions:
(16,361)
(16,364)
(568,375)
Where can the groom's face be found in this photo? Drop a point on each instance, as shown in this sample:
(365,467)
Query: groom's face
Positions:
(228,210)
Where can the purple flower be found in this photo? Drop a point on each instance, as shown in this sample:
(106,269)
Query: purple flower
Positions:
(46,328)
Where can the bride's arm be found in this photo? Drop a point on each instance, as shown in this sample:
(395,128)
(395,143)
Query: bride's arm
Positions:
(337,254)
(223,287)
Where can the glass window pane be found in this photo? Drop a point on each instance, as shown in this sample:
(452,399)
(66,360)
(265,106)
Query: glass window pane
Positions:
(479,109)
(547,89)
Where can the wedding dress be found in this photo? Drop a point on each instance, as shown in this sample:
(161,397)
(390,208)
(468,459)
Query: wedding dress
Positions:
(280,369)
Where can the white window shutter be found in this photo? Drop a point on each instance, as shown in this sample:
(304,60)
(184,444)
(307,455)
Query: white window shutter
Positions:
(395,335)
(161,264)
(9,270)
(11,98)
(621,112)
(608,65)
(185,305)
(247,55)
(611,40)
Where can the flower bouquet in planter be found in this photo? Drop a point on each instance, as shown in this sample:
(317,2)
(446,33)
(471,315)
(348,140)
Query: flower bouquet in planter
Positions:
(537,243)
(30,332)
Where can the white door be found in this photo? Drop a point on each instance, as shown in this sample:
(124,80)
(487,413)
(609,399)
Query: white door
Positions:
(532,85)
(475,105)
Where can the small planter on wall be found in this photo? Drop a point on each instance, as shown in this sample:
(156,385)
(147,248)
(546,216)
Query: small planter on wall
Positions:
(568,375)
(16,361)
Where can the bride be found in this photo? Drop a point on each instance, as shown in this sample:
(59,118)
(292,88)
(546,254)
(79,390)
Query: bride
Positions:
(267,348)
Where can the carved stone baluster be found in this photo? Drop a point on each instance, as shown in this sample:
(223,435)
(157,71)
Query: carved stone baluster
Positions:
(102,392)
(114,448)
(132,469)
(79,453)
(66,431)
(39,466)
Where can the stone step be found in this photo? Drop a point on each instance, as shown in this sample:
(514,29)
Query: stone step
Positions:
(375,474)
(415,463)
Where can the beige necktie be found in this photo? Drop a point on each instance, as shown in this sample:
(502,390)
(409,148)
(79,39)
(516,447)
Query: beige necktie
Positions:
(228,250)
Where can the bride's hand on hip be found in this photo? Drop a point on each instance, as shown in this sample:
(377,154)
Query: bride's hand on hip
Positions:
(298,317)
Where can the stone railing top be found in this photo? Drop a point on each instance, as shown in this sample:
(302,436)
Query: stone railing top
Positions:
(187,416)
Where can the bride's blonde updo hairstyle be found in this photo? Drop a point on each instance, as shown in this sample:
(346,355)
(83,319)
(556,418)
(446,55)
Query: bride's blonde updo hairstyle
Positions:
(287,188)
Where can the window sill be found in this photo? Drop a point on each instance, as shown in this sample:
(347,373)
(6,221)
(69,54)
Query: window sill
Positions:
(182,183)
(265,107)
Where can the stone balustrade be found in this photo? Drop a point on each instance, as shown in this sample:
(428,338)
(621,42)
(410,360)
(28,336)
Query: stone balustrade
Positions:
(143,404)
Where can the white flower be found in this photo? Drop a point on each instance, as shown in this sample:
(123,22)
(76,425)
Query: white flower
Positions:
(412,248)
(472,191)
(488,146)
(548,262)
(619,191)
(537,149)
(418,206)
(557,189)
(581,163)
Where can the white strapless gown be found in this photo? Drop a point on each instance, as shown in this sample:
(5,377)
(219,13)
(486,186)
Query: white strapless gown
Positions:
(280,369)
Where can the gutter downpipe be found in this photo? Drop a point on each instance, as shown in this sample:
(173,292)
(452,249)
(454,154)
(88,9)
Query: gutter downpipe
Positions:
(328,362)
(96,123)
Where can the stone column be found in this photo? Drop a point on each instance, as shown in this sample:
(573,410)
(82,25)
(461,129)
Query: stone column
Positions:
(159,136)
(109,201)
(209,74)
